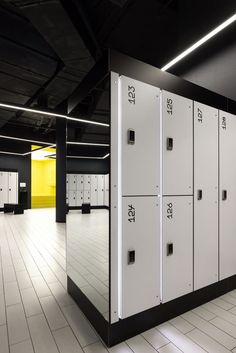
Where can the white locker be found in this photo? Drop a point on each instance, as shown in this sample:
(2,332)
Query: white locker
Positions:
(80,182)
(177,247)
(3,188)
(140,127)
(13,187)
(72,198)
(205,195)
(100,193)
(72,182)
(86,196)
(140,262)
(87,182)
(80,197)
(94,190)
(67,183)
(106,190)
(227,194)
(177,144)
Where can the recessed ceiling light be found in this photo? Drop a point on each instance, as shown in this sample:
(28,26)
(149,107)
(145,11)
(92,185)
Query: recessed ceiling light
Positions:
(84,121)
(200,42)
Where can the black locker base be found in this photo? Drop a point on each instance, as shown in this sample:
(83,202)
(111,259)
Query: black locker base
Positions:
(136,324)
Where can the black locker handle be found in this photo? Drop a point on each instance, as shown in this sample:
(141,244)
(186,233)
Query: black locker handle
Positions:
(169,143)
(199,194)
(170,249)
(131,137)
(131,257)
(224,195)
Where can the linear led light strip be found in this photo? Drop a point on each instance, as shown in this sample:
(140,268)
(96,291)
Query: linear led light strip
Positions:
(27,153)
(83,157)
(200,42)
(84,121)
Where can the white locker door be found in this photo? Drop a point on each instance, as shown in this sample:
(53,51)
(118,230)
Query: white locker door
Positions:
(140,261)
(72,182)
(177,145)
(177,247)
(100,190)
(80,182)
(67,198)
(94,190)
(86,196)
(87,182)
(227,194)
(140,130)
(72,198)
(80,197)
(205,195)
(67,183)
(13,187)
(106,190)
(3,188)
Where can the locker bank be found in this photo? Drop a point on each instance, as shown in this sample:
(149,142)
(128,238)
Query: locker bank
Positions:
(117,176)
(171,197)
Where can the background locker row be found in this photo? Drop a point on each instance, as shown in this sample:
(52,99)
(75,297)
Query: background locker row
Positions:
(178,177)
(8,188)
(93,189)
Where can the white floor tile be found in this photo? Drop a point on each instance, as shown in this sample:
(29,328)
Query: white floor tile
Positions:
(66,341)
(3,340)
(229,298)
(224,314)
(139,345)
(53,313)
(23,280)
(212,331)
(12,294)
(181,324)
(169,348)
(17,324)
(80,326)
(120,348)
(206,342)
(155,338)
(224,326)
(23,347)
(222,303)
(41,287)
(95,348)
(2,310)
(203,313)
(61,295)
(41,335)
(181,341)
(30,302)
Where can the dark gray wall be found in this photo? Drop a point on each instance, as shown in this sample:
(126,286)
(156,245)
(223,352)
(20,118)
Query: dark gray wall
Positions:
(20,164)
(88,166)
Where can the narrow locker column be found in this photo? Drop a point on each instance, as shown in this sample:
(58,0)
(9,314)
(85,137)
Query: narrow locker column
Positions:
(205,195)
(13,187)
(177,146)
(72,182)
(106,190)
(227,194)
(140,237)
(100,193)
(3,188)
(94,190)
(177,247)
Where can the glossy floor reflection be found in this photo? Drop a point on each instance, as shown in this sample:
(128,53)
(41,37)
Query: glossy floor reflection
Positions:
(38,316)
(88,255)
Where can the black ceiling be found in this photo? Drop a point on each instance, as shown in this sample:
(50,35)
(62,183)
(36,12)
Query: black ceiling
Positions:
(48,46)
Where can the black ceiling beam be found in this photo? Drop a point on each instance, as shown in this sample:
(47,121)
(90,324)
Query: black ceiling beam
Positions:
(77,13)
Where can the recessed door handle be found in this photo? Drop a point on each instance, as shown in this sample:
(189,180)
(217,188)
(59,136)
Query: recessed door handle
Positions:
(199,194)
(131,137)
(170,249)
(224,195)
(169,143)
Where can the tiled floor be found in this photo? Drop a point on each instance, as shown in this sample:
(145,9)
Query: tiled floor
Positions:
(38,316)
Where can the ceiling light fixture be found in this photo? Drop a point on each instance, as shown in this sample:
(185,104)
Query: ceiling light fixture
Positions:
(13,153)
(200,42)
(87,157)
(88,144)
(84,121)
(25,140)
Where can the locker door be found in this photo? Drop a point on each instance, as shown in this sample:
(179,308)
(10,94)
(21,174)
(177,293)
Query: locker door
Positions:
(3,188)
(140,120)
(80,182)
(100,192)
(106,190)
(94,190)
(205,195)
(140,271)
(13,187)
(87,182)
(72,198)
(86,196)
(67,199)
(227,194)
(177,145)
(67,183)
(177,247)
(80,197)
(72,182)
